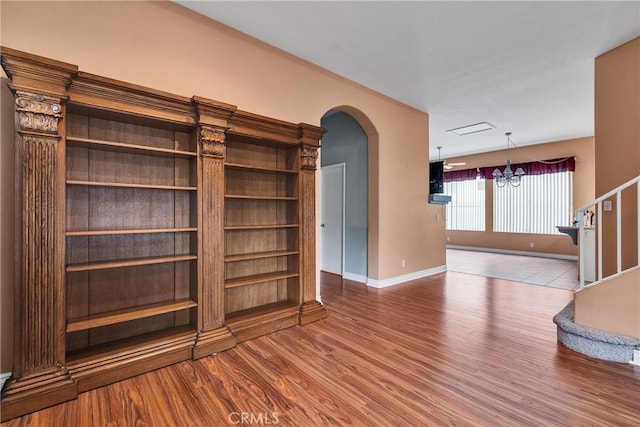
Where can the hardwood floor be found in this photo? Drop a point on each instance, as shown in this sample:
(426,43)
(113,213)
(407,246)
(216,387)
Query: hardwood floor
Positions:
(451,349)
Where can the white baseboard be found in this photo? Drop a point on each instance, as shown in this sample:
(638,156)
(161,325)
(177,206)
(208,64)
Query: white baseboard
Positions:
(3,378)
(405,277)
(355,277)
(511,252)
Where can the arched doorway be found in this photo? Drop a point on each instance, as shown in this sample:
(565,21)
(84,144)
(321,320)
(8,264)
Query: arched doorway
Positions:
(349,152)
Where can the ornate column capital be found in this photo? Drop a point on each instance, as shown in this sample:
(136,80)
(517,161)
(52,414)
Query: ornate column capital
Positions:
(37,112)
(309,157)
(212,142)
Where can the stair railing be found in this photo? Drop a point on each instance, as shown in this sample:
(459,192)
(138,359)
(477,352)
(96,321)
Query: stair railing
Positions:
(598,203)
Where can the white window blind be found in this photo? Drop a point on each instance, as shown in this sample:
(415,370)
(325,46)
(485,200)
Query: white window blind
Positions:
(539,204)
(467,207)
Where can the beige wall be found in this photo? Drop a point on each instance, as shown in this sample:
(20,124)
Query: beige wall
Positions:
(617,137)
(164,46)
(617,116)
(6,226)
(613,307)
(583,192)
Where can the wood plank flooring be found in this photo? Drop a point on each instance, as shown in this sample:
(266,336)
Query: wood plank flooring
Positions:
(451,349)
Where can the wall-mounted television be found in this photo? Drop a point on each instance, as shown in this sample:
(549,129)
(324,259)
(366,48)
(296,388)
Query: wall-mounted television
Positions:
(436,177)
(436,184)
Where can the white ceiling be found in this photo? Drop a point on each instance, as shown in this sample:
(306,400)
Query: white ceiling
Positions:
(525,67)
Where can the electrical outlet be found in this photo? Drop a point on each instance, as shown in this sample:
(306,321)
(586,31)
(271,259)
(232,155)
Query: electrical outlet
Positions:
(402,263)
(607,205)
(448,238)
(532,245)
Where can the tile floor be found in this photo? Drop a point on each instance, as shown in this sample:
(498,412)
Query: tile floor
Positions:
(555,273)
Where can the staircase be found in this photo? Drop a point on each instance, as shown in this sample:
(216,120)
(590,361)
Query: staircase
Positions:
(599,210)
(606,307)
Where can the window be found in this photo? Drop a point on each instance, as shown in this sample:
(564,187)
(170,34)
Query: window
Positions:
(467,207)
(539,204)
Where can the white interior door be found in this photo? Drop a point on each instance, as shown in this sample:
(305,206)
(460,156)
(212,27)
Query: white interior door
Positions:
(332,180)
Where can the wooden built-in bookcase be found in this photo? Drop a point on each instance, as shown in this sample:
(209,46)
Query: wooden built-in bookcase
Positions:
(261,230)
(151,228)
(131,229)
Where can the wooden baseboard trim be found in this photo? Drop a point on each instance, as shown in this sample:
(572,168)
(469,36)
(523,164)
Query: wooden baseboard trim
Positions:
(102,369)
(260,322)
(214,341)
(35,392)
(311,312)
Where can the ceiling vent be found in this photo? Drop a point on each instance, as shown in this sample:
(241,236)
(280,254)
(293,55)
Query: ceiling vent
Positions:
(466,130)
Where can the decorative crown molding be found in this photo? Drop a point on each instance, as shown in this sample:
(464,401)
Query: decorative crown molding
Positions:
(212,142)
(37,112)
(36,72)
(212,113)
(255,125)
(103,92)
(309,134)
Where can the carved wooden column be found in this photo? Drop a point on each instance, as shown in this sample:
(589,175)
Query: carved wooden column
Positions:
(39,378)
(310,309)
(213,335)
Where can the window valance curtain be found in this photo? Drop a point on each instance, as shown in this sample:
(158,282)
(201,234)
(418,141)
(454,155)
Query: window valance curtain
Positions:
(460,175)
(530,168)
(535,168)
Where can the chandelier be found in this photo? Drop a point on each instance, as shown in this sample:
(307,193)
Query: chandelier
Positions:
(508,176)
